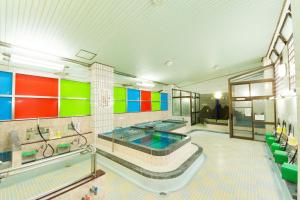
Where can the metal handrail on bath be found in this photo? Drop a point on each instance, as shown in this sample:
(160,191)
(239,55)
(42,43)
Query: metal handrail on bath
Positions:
(7,172)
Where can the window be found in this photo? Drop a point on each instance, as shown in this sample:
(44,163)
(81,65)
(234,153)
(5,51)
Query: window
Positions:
(119,100)
(74,98)
(155,97)
(133,100)
(5,95)
(35,97)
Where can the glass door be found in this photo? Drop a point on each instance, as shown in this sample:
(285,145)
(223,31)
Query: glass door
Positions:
(242,119)
(264,117)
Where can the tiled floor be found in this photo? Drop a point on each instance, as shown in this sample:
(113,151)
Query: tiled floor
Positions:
(234,169)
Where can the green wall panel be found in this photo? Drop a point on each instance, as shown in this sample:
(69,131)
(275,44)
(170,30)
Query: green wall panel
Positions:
(74,89)
(155,96)
(119,106)
(155,105)
(119,93)
(73,107)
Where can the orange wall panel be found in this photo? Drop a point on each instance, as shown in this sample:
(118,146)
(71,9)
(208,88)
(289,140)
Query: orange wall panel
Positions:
(34,108)
(36,85)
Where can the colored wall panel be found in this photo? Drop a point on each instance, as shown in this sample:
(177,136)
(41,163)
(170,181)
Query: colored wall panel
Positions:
(36,85)
(146,95)
(145,106)
(74,89)
(133,106)
(155,96)
(73,107)
(164,97)
(119,93)
(6,83)
(155,105)
(119,106)
(133,95)
(34,108)
(164,106)
(5,108)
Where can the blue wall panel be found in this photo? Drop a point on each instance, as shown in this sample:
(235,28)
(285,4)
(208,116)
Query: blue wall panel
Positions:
(164,97)
(5,108)
(164,106)
(6,83)
(133,95)
(133,106)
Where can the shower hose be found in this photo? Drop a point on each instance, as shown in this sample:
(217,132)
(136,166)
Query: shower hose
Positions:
(47,145)
(85,140)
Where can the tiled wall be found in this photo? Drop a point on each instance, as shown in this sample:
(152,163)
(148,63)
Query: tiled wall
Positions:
(127,119)
(55,125)
(102,90)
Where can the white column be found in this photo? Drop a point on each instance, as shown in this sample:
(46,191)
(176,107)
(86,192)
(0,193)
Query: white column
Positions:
(102,98)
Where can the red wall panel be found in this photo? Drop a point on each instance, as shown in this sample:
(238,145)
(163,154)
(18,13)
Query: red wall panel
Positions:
(146,95)
(145,106)
(34,108)
(36,85)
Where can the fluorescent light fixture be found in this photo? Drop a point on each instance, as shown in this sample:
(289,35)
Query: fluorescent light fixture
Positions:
(281,70)
(287,28)
(279,45)
(218,95)
(36,62)
(148,84)
(274,56)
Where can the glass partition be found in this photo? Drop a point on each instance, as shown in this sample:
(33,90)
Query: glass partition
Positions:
(186,104)
(241,90)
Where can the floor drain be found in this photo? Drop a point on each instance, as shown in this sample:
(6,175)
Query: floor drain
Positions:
(163,194)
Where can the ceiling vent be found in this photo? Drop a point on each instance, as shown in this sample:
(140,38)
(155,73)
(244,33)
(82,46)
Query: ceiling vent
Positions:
(87,55)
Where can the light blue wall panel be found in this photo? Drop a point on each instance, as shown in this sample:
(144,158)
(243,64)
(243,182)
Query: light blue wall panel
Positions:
(164,97)
(164,106)
(133,95)
(133,106)
(5,108)
(6,83)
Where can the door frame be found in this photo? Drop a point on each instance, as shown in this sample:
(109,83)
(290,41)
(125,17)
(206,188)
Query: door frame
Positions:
(250,98)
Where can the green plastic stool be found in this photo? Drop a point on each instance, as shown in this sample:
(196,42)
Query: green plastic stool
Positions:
(289,172)
(276,146)
(270,140)
(64,145)
(281,156)
(268,134)
(29,153)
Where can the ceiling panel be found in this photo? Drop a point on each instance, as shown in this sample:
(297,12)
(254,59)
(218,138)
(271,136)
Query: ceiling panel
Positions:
(138,37)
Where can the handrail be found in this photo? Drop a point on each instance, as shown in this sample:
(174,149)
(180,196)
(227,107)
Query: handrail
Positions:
(30,165)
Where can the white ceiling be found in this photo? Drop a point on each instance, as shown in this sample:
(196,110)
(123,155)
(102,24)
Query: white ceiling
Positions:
(138,37)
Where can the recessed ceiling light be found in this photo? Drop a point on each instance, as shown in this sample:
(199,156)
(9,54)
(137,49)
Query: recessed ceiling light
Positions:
(169,63)
(87,55)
